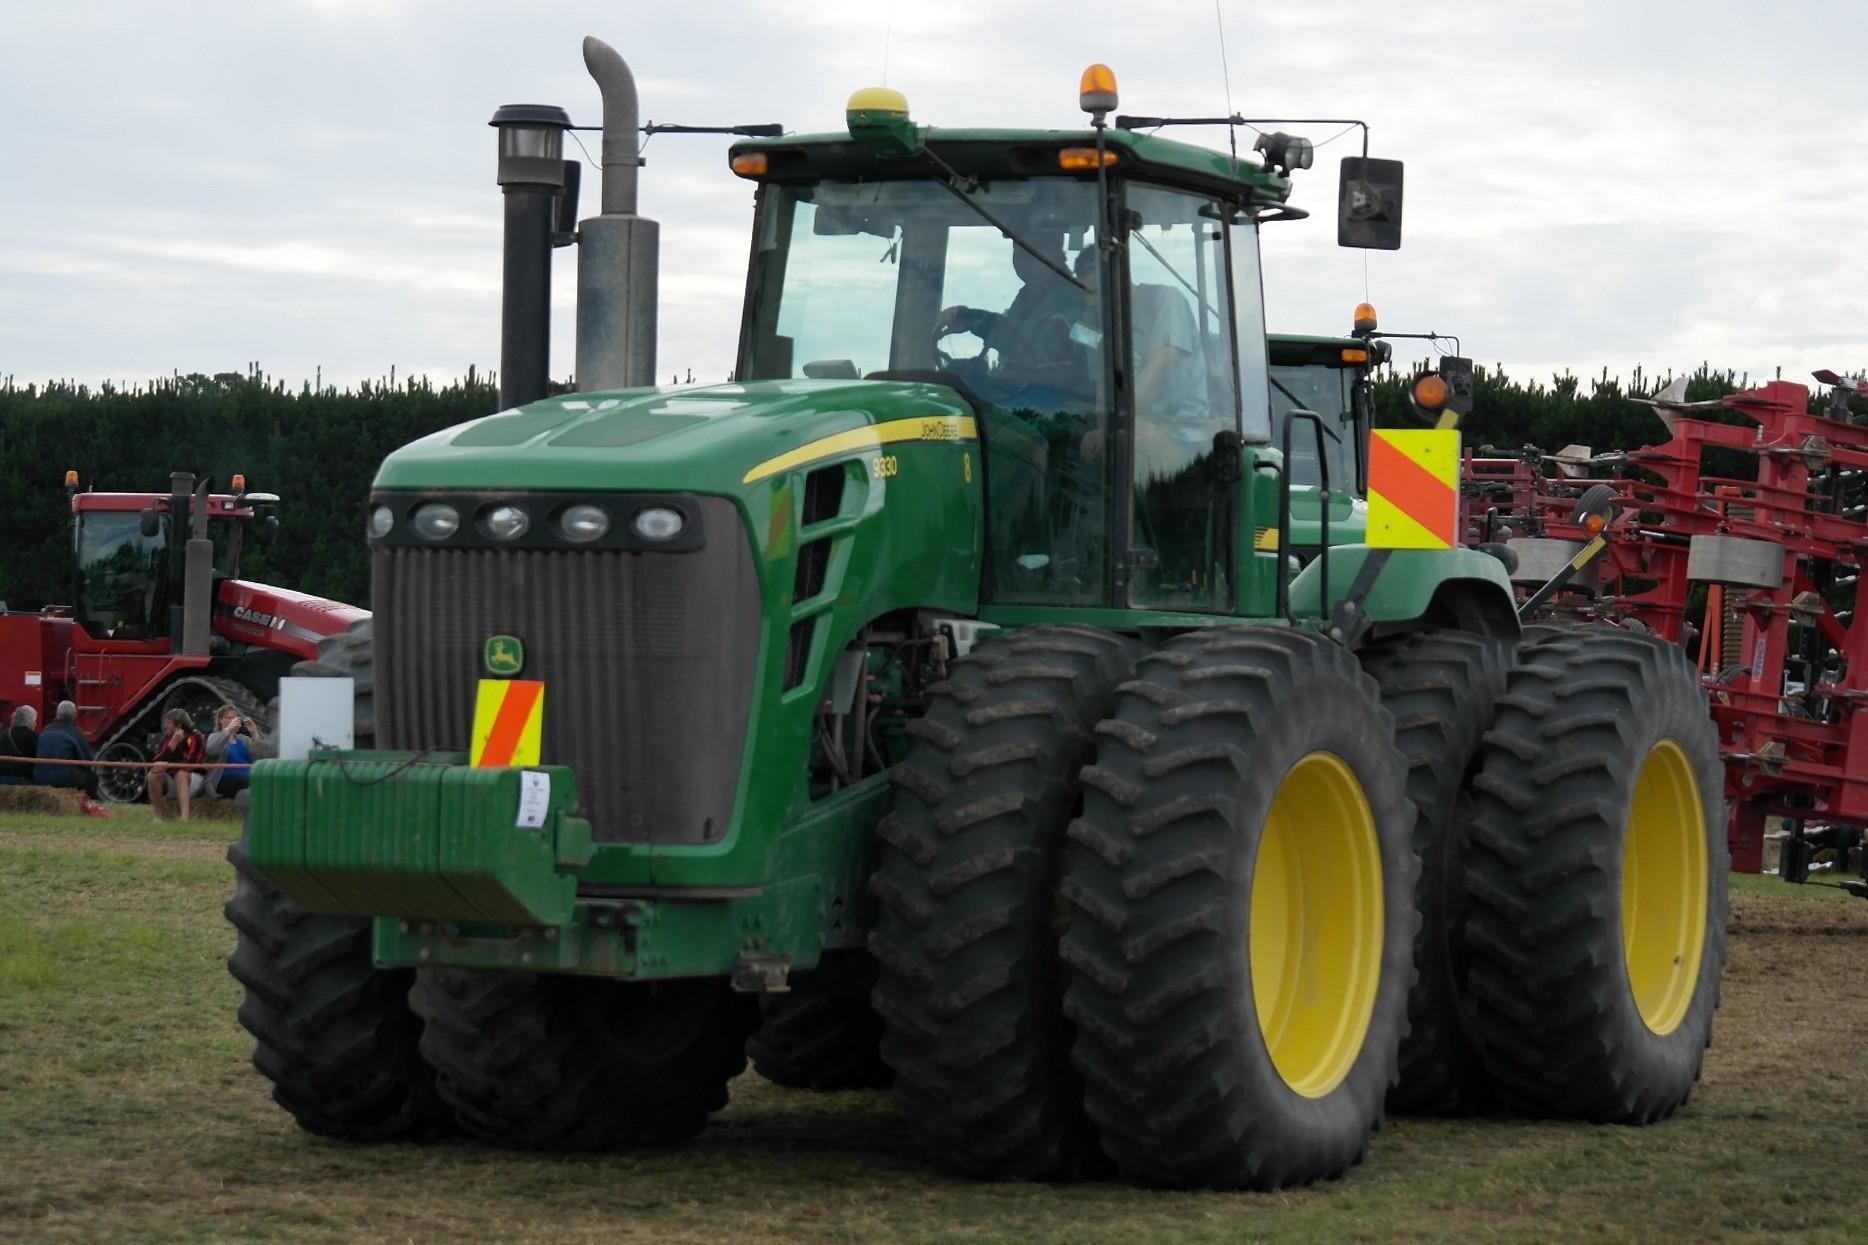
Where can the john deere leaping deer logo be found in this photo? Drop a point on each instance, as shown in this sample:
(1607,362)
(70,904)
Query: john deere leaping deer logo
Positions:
(504,655)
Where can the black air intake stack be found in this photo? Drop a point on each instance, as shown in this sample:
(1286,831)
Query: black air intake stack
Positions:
(532,176)
(617,256)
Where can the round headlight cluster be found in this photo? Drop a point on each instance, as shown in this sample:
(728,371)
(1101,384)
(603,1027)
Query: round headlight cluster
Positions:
(437,520)
(382,518)
(584,523)
(505,522)
(658,523)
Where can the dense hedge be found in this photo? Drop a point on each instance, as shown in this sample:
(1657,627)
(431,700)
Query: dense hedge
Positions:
(319,449)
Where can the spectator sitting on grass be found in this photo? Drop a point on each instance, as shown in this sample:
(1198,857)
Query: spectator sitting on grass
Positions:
(63,741)
(182,752)
(20,741)
(231,744)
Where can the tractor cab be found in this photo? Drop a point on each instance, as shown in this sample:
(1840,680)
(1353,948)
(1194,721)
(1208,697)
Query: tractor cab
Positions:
(1096,299)
(131,553)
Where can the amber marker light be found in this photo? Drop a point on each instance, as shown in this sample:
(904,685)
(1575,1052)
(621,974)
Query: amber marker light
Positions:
(1594,522)
(71,479)
(1430,392)
(1075,158)
(1355,356)
(1096,91)
(750,164)
(1365,317)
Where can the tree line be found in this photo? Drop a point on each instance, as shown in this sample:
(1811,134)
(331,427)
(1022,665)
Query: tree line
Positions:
(319,449)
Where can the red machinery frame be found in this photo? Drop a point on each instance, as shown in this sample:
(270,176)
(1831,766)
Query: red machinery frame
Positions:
(1785,668)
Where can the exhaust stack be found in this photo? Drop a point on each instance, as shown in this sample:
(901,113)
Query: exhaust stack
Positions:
(531,175)
(618,251)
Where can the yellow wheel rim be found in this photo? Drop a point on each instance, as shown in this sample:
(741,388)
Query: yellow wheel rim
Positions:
(1315,939)
(1664,870)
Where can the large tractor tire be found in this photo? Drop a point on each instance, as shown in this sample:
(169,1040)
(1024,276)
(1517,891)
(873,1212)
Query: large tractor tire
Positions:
(1442,688)
(566,1063)
(1597,876)
(333,1033)
(823,1034)
(1240,942)
(969,987)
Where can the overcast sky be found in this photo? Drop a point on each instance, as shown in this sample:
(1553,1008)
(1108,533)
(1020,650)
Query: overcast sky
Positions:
(309,183)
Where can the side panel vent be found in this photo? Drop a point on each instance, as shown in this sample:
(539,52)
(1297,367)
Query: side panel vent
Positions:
(823,493)
(813,562)
(798,652)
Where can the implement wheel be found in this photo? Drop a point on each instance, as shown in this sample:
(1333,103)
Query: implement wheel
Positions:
(580,1063)
(1597,877)
(1242,893)
(965,939)
(1441,687)
(823,1034)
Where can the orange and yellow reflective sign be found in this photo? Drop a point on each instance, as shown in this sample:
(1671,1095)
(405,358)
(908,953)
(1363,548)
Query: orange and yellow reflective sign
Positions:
(508,716)
(1413,488)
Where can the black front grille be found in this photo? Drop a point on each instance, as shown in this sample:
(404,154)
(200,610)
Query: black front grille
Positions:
(648,661)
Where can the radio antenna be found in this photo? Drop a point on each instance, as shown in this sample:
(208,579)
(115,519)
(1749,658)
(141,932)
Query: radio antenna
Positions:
(1225,73)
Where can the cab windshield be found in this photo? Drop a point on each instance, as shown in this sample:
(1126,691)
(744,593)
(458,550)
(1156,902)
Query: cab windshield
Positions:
(121,590)
(1330,391)
(900,280)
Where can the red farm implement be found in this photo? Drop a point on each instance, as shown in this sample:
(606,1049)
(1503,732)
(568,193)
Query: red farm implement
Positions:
(1741,536)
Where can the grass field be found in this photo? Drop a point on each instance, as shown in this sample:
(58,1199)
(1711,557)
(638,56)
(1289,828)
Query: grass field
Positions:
(129,1112)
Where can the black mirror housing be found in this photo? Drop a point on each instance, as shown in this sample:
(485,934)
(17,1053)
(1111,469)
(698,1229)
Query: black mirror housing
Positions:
(151,521)
(1368,204)
(1457,373)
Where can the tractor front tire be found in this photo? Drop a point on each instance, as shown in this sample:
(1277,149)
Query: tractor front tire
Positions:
(333,1033)
(1442,688)
(822,1034)
(560,1063)
(1597,879)
(969,987)
(1241,935)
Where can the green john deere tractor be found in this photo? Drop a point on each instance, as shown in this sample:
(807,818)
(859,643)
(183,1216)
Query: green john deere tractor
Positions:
(950,699)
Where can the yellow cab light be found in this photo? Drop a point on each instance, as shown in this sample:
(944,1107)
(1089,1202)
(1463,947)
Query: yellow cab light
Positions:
(1096,91)
(1430,391)
(1355,356)
(1365,317)
(239,482)
(749,164)
(71,479)
(1074,158)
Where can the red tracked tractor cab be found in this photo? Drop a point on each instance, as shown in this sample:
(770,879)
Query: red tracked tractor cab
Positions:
(160,618)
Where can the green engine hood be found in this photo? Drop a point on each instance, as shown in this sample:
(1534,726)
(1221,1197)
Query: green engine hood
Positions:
(716,439)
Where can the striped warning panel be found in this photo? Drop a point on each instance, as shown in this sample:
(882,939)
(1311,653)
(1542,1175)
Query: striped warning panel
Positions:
(1413,488)
(508,715)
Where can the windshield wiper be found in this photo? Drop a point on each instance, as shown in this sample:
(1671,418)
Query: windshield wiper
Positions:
(955,185)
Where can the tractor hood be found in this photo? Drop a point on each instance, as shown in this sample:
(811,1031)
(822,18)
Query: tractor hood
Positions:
(717,439)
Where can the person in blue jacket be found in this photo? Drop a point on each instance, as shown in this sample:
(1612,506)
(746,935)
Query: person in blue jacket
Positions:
(63,741)
(18,740)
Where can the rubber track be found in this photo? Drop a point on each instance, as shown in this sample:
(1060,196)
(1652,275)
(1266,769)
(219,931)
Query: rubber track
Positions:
(965,937)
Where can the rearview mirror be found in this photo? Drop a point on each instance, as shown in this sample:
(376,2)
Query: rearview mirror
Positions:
(151,522)
(1457,373)
(1368,204)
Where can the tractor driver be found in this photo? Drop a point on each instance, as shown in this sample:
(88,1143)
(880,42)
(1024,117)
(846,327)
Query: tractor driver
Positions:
(1032,335)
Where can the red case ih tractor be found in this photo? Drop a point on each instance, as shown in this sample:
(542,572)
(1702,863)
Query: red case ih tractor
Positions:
(160,619)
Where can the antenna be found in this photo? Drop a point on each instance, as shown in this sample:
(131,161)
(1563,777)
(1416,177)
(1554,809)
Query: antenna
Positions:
(1225,73)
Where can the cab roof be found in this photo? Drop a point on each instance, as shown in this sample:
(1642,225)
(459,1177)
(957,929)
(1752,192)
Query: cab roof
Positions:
(1019,153)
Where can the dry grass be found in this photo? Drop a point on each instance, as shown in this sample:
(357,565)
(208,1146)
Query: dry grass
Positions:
(128,1112)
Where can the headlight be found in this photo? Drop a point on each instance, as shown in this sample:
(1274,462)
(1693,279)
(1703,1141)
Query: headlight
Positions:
(658,523)
(382,518)
(506,522)
(437,520)
(584,523)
